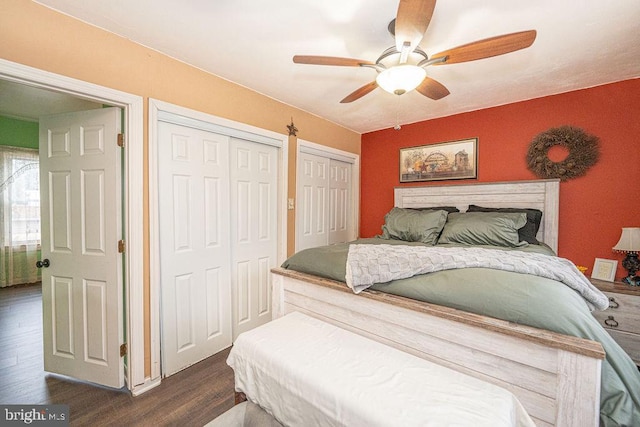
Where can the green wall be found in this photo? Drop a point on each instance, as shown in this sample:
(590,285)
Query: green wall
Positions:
(18,133)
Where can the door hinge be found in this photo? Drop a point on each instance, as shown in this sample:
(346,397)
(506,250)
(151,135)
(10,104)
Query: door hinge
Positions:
(121,246)
(123,349)
(121,140)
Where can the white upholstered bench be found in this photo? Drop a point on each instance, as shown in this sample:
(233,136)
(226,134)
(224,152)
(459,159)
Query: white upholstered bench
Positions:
(304,371)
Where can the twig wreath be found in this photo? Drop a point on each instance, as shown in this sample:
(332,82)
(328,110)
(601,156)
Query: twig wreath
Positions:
(582,147)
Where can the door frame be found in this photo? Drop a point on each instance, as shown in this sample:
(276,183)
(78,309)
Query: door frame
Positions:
(189,117)
(335,154)
(133,222)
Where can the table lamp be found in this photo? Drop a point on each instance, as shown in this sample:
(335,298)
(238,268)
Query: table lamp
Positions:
(630,244)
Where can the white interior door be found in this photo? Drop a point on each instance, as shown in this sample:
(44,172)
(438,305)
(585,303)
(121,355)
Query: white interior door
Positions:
(323,215)
(254,195)
(194,244)
(80,181)
(339,201)
(312,195)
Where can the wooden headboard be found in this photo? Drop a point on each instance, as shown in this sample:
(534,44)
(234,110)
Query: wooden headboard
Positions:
(540,194)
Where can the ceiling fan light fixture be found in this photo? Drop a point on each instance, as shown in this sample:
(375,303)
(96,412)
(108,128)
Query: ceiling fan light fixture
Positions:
(400,79)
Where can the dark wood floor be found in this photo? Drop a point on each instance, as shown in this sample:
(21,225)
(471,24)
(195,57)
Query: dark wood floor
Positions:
(191,397)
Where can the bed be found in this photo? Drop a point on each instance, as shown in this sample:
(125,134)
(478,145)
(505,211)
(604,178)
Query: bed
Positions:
(530,336)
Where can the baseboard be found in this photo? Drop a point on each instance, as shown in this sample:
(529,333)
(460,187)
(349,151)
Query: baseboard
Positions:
(146,386)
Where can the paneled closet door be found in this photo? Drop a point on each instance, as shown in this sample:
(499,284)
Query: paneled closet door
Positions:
(254,195)
(339,201)
(195,260)
(324,201)
(312,195)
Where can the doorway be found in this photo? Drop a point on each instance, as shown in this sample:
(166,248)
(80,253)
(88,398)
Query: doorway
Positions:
(133,209)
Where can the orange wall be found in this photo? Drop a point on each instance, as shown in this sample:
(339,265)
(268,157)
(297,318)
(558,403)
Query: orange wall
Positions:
(593,208)
(39,37)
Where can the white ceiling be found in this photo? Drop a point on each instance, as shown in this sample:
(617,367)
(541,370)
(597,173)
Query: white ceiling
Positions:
(29,103)
(580,43)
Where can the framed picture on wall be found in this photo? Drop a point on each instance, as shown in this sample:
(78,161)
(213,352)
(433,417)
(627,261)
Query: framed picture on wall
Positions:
(604,269)
(445,160)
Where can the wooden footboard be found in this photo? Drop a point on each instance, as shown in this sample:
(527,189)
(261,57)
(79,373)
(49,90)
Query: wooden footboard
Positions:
(555,377)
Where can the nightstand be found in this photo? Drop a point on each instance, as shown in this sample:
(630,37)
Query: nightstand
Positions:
(622,318)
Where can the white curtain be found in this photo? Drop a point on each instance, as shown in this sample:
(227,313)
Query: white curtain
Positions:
(19,216)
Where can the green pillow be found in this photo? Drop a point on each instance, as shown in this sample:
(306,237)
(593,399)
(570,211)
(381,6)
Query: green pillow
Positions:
(529,231)
(413,225)
(440,208)
(484,228)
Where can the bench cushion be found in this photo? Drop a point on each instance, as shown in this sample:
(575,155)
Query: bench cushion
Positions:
(304,371)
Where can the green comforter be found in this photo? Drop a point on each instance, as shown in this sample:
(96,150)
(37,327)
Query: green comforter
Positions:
(521,298)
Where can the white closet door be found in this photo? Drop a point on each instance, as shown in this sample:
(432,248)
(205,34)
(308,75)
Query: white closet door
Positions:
(312,195)
(254,195)
(339,201)
(194,244)
(323,215)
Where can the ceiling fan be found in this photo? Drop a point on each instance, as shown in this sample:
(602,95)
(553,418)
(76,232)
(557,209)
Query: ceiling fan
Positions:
(401,68)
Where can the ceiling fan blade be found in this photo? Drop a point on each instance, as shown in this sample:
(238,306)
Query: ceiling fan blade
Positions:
(432,89)
(330,60)
(487,48)
(412,20)
(360,92)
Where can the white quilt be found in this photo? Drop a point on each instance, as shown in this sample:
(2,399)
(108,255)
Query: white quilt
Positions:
(306,372)
(370,264)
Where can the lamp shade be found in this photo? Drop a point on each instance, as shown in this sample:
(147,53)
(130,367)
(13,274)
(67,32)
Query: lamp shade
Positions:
(401,78)
(629,240)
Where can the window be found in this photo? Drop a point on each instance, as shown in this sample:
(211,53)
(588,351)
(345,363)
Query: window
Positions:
(20,191)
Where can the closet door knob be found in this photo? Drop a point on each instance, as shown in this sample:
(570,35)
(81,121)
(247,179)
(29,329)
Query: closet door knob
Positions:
(44,263)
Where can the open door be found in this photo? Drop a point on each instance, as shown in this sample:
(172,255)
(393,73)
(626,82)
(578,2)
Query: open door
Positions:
(82,293)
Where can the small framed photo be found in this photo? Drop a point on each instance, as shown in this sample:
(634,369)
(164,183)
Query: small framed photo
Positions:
(604,269)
